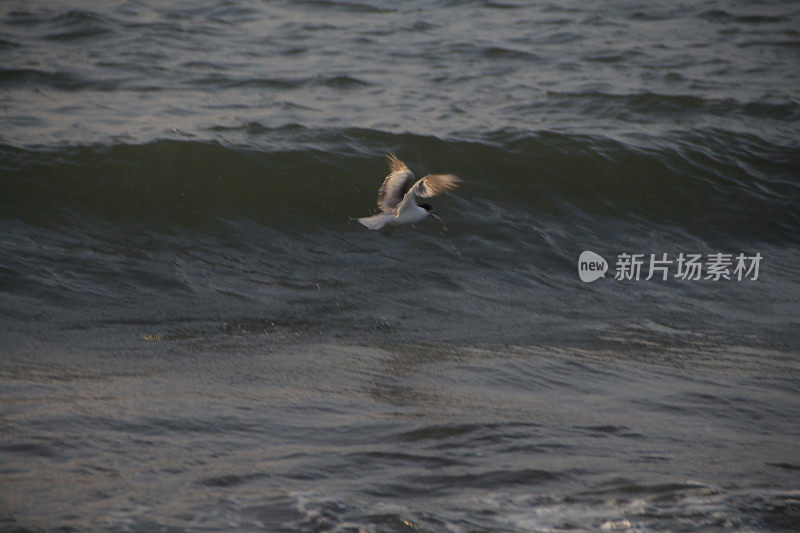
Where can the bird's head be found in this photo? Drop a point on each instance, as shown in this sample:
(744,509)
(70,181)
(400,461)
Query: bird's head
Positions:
(429,209)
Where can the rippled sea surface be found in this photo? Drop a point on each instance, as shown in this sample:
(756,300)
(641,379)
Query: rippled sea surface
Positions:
(195,336)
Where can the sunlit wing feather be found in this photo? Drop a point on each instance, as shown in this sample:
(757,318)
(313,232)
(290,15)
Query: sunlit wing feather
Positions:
(396,184)
(395,165)
(435,184)
(430,185)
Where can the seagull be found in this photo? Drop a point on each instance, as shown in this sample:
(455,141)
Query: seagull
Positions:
(396,196)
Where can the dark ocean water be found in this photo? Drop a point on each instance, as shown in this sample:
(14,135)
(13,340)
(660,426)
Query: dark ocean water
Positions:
(194,335)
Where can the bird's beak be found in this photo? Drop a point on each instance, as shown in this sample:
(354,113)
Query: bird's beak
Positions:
(435,216)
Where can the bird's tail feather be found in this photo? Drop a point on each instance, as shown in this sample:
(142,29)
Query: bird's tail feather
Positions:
(374,222)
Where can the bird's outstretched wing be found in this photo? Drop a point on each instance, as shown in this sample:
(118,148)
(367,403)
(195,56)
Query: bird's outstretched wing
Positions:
(430,185)
(435,184)
(396,184)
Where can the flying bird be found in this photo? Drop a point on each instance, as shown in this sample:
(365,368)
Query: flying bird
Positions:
(396,197)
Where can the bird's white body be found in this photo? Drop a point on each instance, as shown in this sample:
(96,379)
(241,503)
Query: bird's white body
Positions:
(396,196)
(408,215)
